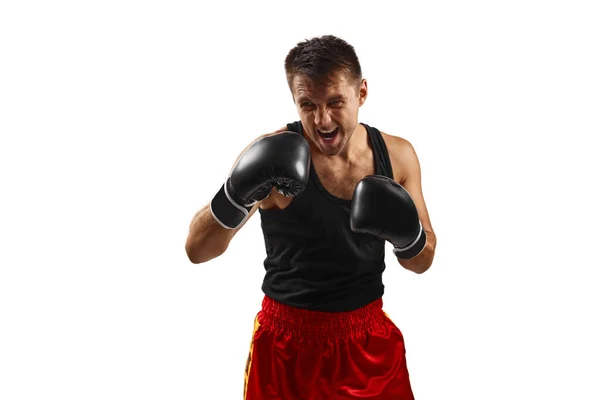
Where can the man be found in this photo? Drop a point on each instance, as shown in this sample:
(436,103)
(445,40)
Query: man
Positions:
(330,192)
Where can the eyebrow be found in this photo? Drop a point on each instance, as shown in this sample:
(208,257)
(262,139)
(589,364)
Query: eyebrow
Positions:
(302,99)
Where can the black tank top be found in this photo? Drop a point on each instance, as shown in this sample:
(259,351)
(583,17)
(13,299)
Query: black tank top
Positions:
(314,260)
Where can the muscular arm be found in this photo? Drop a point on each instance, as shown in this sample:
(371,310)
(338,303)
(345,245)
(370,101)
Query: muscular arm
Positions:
(407,171)
(207,239)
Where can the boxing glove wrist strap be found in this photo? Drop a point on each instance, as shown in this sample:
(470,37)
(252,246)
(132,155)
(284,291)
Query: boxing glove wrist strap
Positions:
(226,211)
(414,248)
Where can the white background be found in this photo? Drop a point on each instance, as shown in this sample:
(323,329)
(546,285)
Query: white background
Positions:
(120,119)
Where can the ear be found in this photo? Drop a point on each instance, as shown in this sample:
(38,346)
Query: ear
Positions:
(363,91)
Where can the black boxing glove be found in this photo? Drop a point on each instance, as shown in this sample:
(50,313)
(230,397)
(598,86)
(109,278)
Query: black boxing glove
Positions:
(382,207)
(281,160)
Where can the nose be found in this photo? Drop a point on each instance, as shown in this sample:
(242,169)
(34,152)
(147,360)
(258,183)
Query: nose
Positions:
(322,118)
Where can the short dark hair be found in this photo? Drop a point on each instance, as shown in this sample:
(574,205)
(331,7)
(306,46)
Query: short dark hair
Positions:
(322,59)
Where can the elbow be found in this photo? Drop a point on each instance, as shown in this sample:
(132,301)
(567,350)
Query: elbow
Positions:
(196,258)
(199,255)
(422,269)
(415,267)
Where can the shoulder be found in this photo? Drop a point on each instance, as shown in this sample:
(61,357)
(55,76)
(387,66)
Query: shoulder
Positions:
(272,133)
(275,132)
(397,144)
(403,155)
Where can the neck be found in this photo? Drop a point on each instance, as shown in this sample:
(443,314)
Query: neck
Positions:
(356,144)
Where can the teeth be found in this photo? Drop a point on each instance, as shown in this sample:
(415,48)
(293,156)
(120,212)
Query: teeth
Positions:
(327,133)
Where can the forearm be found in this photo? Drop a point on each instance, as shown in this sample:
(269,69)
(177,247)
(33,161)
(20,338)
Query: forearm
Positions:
(424,259)
(207,239)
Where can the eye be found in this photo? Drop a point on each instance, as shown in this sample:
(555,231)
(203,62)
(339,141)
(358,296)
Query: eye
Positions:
(336,103)
(306,105)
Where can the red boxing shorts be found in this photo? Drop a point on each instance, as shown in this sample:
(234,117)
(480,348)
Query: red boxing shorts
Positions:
(300,354)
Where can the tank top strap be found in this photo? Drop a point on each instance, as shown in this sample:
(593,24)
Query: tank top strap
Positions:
(380,152)
(295,127)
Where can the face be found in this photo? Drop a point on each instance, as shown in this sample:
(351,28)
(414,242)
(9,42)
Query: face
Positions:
(329,113)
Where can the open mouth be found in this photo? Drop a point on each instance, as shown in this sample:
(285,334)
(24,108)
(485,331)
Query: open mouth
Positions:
(328,136)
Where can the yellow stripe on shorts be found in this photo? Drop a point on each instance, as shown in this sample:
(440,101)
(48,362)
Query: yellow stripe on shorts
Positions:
(249,360)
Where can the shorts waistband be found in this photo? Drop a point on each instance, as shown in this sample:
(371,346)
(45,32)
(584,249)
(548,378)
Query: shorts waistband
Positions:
(320,325)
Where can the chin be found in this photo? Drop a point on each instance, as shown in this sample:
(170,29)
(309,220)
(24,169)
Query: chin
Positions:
(332,151)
